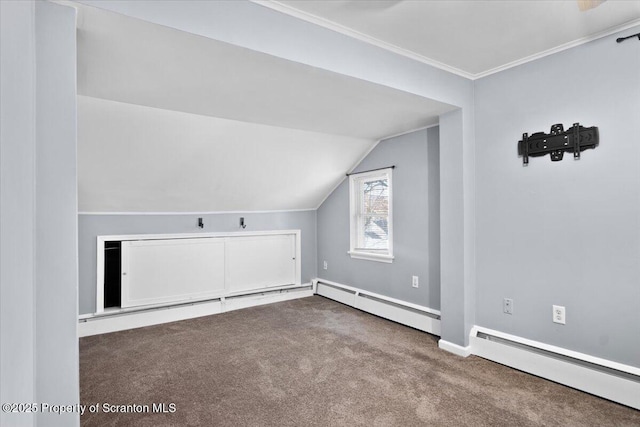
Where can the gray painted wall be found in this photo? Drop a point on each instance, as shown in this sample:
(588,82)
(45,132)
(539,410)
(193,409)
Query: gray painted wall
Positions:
(416,241)
(38,256)
(17,208)
(456,294)
(563,233)
(91,226)
(57,367)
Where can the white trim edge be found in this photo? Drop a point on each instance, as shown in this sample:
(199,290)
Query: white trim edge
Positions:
(371,256)
(396,135)
(197,213)
(455,348)
(565,46)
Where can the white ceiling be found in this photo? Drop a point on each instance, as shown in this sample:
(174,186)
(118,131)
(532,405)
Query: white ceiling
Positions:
(129,60)
(169,121)
(469,37)
(133,158)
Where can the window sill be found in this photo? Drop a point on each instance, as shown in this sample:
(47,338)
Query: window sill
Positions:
(371,257)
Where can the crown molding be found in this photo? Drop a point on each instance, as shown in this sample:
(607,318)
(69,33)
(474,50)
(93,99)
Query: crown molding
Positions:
(565,46)
(296,13)
(330,25)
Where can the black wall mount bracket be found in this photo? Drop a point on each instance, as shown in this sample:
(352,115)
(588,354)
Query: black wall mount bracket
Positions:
(575,139)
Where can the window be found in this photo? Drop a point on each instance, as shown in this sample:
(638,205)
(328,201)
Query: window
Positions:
(371,220)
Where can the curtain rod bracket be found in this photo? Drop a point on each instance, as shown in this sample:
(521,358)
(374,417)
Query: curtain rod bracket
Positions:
(621,39)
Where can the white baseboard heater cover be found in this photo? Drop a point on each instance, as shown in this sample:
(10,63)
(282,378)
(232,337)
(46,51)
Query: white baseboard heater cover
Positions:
(616,382)
(418,317)
(139,317)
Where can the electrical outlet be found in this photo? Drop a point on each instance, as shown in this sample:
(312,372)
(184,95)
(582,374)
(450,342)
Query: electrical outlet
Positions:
(507,305)
(559,315)
(414,281)
(325,265)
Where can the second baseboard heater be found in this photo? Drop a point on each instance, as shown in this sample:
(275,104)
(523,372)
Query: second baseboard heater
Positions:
(413,315)
(610,380)
(561,357)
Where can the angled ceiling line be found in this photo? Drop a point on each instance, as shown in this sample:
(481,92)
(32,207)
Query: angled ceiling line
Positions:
(365,154)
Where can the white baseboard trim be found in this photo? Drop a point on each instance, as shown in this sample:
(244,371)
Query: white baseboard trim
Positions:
(262,299)
(155,316)
(406,313)
(610,380)
(454,348)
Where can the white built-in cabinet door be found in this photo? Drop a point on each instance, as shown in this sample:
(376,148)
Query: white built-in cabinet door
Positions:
(176,270)
(157,271)
(256,262)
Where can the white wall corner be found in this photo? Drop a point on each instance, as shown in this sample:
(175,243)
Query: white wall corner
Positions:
(455,348)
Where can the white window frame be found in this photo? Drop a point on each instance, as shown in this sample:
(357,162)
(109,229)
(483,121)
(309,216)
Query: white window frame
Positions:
(354,180)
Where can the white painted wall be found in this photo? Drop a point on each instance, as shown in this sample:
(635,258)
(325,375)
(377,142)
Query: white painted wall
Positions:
(142,159)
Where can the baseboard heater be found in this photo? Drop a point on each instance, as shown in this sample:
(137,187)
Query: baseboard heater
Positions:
(409,314)
(136,317)
(610,380)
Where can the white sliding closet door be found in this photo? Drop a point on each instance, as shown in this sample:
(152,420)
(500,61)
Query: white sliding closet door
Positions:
(157,271)
(256,262)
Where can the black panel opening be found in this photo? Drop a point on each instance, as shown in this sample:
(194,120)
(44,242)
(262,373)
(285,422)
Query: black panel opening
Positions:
(112,274)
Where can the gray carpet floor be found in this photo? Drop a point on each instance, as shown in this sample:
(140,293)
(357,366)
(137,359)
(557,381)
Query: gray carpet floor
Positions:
(315,362)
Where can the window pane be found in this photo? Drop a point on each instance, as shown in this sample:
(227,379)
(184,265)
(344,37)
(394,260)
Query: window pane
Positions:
(375,232)
(373,222)
(370,222)
(375,196)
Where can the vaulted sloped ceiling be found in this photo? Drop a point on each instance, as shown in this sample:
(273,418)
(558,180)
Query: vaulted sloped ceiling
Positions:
(137,158)
(171,121)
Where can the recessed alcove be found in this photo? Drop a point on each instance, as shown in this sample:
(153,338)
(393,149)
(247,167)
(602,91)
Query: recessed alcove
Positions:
(173,125)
